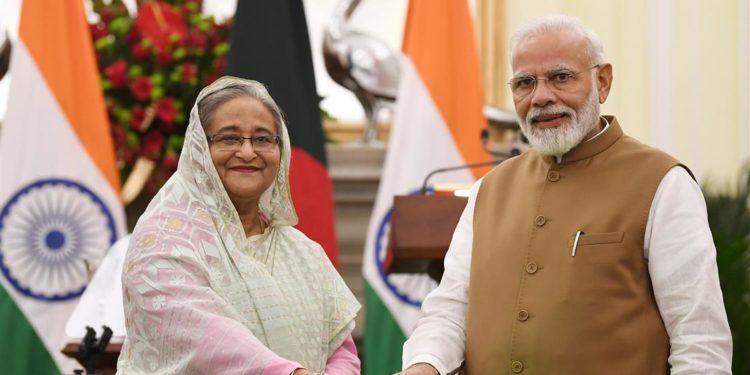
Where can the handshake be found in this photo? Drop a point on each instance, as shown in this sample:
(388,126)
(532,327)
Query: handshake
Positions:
(427,369)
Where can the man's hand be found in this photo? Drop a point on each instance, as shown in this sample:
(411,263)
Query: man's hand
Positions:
(420,369)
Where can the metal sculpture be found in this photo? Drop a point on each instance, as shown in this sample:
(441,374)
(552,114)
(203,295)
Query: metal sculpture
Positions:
(5,56)
(361,63)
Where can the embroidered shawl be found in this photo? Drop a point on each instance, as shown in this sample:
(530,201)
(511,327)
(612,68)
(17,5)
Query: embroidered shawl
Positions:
(201,297)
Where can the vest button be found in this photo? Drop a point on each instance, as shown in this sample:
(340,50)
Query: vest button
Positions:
(522,315)
(531,268)
(540,220)
(516,367)
(553,176)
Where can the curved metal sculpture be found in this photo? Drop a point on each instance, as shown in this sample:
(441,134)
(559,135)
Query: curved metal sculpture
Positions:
(5,56)
(361,63)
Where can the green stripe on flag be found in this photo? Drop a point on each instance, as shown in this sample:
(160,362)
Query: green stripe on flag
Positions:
(21,350)
(384,339)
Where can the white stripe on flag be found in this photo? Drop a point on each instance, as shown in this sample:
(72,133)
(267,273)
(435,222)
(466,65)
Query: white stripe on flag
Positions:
(420,142)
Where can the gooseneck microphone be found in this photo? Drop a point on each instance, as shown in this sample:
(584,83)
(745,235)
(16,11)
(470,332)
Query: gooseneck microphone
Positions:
(423,190)
(484,137)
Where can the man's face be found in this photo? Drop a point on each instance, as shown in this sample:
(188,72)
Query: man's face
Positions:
(554,117)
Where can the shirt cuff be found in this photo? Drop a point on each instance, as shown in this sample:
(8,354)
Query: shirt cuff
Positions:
(281,366)
(429,359)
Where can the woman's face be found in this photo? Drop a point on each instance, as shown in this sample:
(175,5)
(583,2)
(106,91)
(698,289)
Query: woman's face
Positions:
(245,172)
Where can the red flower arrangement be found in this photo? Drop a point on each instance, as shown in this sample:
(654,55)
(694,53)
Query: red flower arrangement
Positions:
(153,64)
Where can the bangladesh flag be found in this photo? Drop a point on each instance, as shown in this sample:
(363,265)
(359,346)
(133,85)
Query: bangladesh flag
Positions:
(270,44)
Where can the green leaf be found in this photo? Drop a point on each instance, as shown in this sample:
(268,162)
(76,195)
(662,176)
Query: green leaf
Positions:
(120,25)
(135,71)
(179,53)
(132,138)
(157,79)
(157,93)
(104,43)
(174,142)
(221,49)
(122,115)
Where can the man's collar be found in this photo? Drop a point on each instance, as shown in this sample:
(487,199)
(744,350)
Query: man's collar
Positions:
(598,143)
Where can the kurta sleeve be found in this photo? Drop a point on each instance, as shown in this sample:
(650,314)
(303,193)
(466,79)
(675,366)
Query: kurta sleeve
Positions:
(439,337)
(344,360)
(684,275)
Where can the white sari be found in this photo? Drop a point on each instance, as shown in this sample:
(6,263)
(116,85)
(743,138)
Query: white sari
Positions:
(201,297)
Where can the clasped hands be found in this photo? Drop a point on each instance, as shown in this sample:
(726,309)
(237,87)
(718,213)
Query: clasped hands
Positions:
(419,369)
(427,369)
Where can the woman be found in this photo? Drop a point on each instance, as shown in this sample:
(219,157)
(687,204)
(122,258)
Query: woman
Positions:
(216,280)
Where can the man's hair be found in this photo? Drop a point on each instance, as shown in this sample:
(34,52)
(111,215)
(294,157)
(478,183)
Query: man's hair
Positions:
(256,90)
(559,22)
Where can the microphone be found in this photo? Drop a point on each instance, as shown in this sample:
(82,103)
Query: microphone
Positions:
(423,190)
(484,135)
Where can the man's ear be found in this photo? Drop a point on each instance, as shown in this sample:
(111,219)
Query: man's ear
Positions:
(604,81)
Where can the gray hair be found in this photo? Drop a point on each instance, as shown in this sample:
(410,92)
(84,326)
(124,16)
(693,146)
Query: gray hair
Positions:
(559,22)
(253,89)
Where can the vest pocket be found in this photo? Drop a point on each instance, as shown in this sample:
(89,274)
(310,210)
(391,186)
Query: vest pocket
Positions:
(597,238)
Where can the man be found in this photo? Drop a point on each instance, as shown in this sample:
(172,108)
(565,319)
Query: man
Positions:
(590,254)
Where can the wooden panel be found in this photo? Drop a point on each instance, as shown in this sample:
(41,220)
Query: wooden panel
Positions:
(421,231)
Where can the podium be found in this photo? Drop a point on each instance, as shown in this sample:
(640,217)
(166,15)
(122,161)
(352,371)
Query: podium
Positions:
(421,230)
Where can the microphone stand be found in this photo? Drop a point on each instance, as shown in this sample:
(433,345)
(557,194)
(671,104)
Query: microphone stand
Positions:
(91,349)
(423,190)
(485,135)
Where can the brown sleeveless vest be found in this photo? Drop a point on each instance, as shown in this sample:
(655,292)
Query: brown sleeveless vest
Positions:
(536,309)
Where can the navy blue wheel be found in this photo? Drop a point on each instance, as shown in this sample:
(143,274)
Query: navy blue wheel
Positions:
(48,231)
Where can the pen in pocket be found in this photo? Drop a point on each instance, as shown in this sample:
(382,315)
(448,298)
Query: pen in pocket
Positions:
(575,243)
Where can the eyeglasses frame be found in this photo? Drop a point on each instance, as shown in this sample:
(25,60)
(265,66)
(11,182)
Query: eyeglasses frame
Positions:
(536,81)
(276,138)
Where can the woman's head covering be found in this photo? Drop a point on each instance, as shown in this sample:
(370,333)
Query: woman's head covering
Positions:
(276,201)
(191,273)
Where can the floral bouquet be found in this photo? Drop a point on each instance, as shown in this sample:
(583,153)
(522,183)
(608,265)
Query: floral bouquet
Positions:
(153,64)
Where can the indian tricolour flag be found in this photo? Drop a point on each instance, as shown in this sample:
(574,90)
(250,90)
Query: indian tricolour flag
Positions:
(437,123)
(59,189)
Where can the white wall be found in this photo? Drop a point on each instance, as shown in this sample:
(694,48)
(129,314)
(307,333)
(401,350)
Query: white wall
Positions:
(680,73)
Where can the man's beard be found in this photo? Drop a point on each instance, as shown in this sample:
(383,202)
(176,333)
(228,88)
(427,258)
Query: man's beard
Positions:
(561,139)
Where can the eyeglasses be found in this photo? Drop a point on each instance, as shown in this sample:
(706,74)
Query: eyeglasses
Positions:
(558,79)
(233,142)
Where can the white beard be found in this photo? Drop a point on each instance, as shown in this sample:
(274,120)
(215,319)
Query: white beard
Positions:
(559,140)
